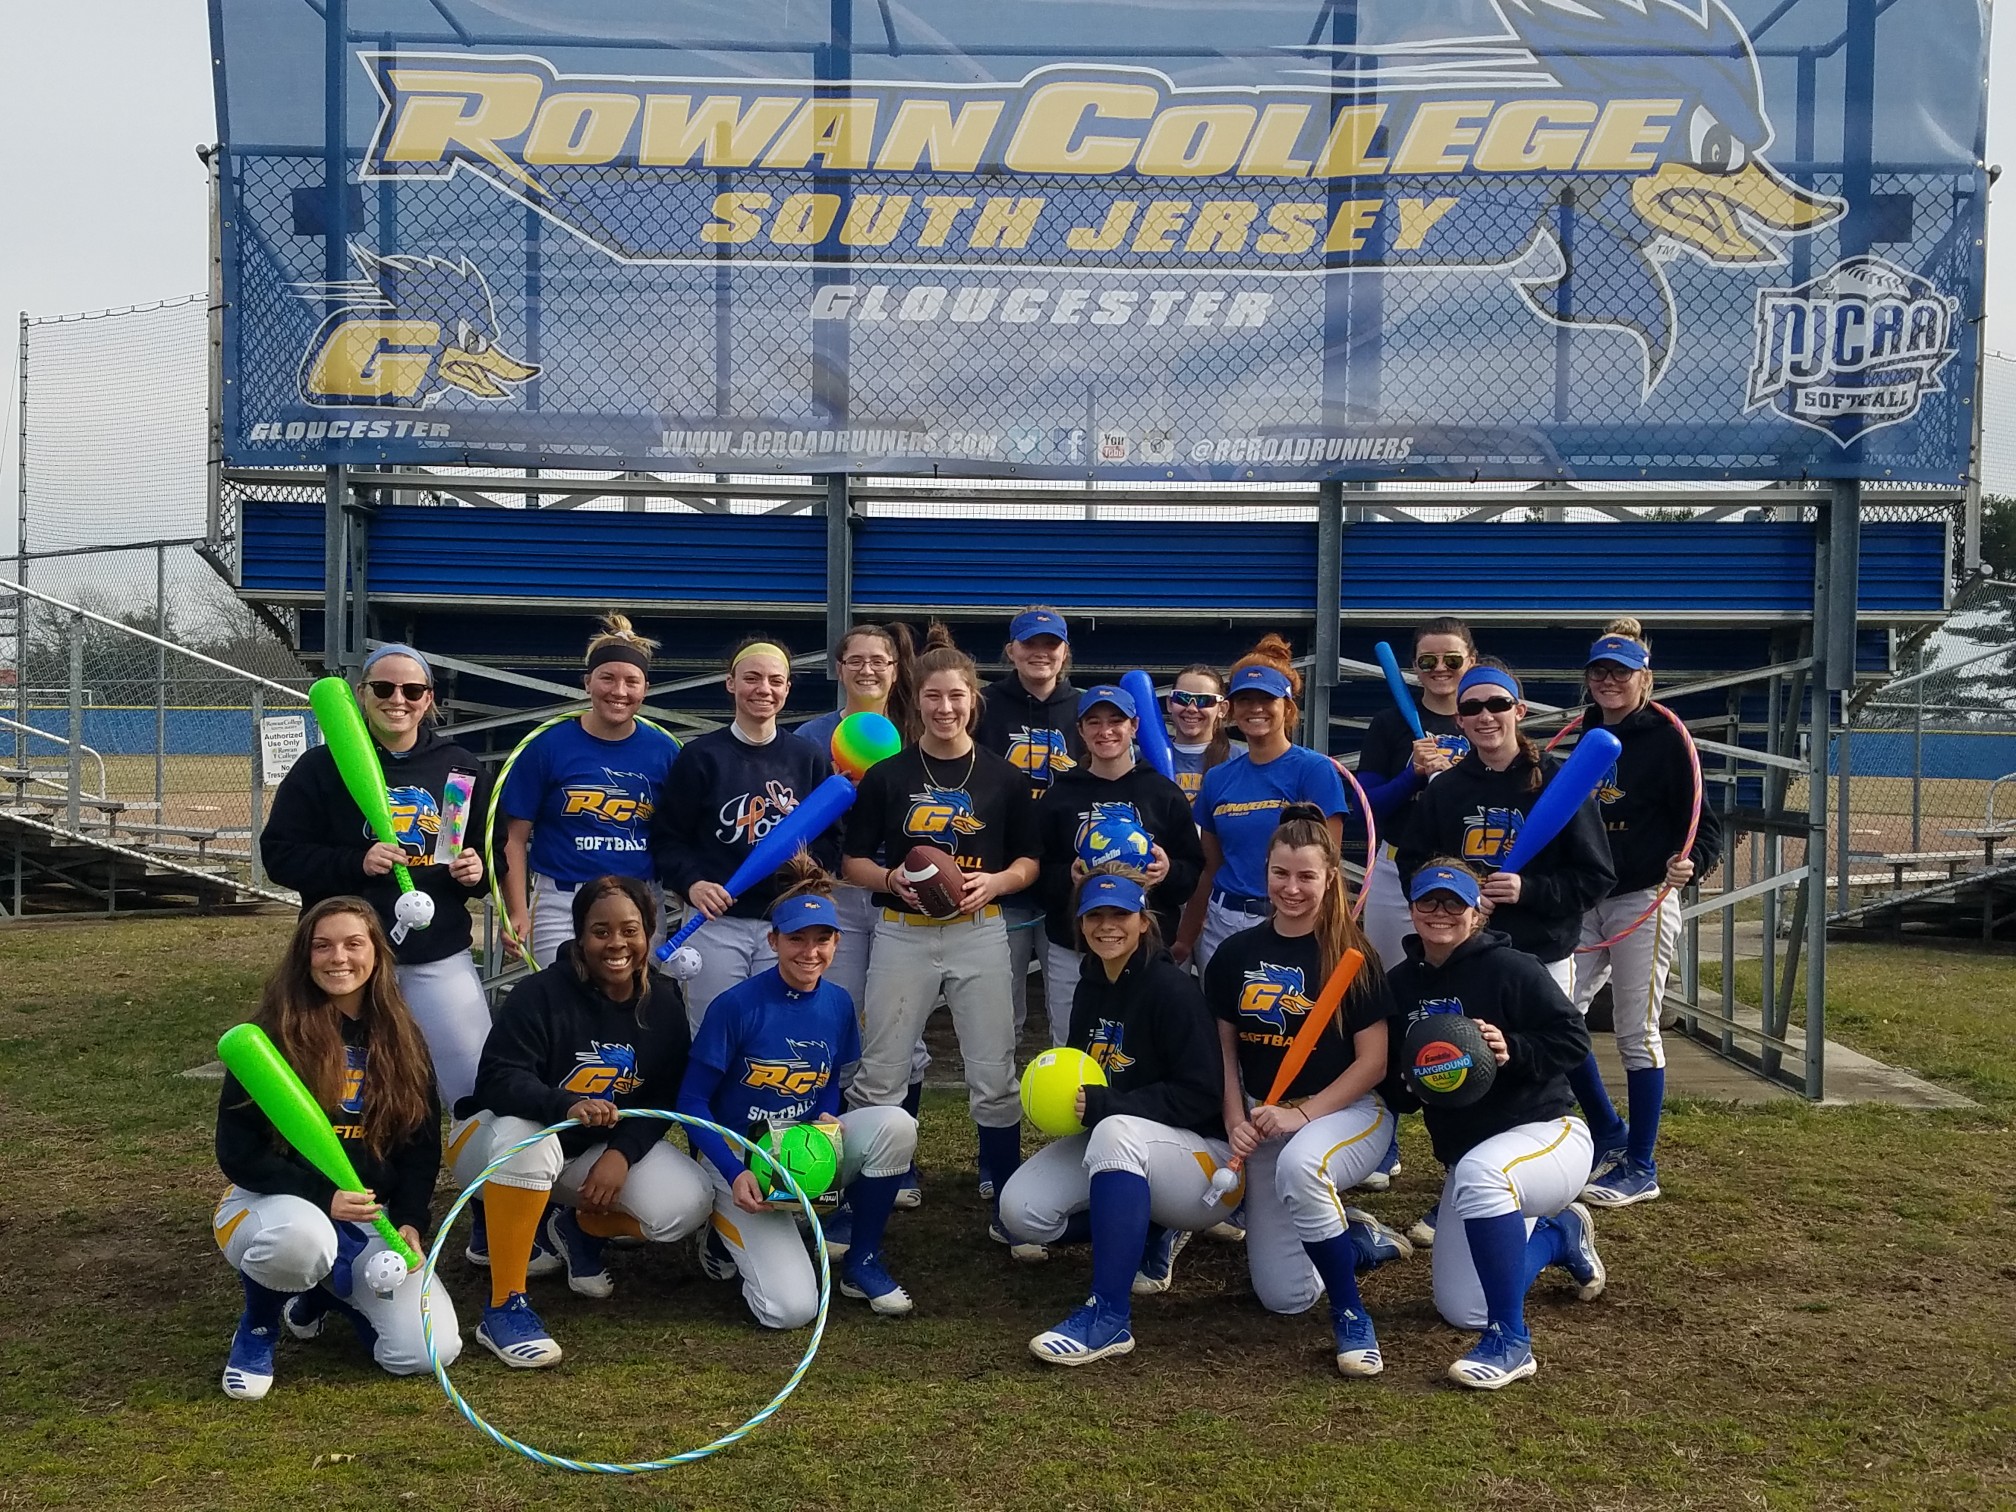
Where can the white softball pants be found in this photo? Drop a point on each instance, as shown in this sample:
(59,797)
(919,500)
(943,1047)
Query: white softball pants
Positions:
(778,1279)
(1636,967)
(1386,920)
(287,1244)
(1536,1169)
(731,951)
(1056,1181)
(447,1003)
(1061,967)
(1294,1194)
(967,960)
(665,1191)
(1025,948)
(1220,924)
(849,971)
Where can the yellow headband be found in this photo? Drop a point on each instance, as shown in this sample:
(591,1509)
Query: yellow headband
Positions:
(761,648)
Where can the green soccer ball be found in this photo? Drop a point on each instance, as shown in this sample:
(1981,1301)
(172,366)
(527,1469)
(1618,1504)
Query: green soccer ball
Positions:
(805,1152)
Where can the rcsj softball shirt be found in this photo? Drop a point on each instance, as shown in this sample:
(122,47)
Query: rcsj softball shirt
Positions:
(590,800)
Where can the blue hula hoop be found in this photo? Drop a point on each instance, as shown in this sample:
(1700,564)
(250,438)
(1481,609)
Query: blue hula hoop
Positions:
(641,1467)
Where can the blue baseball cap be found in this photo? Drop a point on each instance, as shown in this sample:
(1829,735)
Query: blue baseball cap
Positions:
(1434,879)
(803,912)
(1031,623)
(1623,650)
(1488,677)
(1261,678)
(1106,890)
(1106,693)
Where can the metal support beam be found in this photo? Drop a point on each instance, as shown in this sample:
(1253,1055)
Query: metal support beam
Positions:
(1329,610)
(839,560)
(335,568)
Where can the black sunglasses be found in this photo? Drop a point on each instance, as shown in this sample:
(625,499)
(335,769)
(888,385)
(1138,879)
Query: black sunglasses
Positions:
(1452,661)
(1475,706)
(1184,700)
(414,691)
(1441,903)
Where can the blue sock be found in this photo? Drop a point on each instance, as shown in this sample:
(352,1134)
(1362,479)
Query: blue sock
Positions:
(1336,1261)
(1000,1156)
(1587,1083)
(1392,1156)
(1646,1092)
(1119,1233)
(1507,1260)
(913,1099)
(262,1303)
(871,1198)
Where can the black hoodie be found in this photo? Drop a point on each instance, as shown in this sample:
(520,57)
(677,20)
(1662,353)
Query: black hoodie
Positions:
(1038,735)
(1489,978)
(1153,802)
(1153,1034)
(557,1039)
(1647,799)
(1473,813)
(315,839)
(252,1154)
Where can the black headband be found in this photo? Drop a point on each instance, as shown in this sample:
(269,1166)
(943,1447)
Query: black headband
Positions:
(619,651)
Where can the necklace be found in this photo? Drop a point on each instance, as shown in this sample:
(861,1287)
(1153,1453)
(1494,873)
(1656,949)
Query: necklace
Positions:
(972,760)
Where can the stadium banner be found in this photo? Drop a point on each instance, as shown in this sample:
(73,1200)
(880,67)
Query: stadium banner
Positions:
(1116,239)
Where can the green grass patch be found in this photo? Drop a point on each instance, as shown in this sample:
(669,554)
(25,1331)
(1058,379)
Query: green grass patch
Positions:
(1815,1315)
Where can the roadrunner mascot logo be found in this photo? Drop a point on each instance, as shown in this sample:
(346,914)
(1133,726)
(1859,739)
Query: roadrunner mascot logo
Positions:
(1607,791)
(937,809)
(1108,1035)
(1489,832)
(410,331)
(604,1071)
(1270,994)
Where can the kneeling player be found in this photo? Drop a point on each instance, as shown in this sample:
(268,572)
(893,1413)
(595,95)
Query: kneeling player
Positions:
(1516,1156)
(594,1033)
(1153,1137)
(770,1051)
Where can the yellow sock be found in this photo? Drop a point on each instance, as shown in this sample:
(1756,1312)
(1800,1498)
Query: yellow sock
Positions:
(513,1216)
(609,1225)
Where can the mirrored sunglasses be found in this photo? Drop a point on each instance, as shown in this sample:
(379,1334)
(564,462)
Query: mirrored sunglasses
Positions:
(1184,700)
(1449,661)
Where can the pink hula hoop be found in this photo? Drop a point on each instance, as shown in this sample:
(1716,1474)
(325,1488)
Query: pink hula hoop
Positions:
(1371,832)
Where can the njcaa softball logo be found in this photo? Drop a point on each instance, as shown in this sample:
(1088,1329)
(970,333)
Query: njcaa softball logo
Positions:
(1855,349)
(1489,832)
(1271,994)
(936,809)
(604,1071)
(409,332)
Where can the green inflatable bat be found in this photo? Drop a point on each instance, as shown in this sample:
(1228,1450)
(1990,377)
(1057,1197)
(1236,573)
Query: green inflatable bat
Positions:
(349,742)
(263,1072)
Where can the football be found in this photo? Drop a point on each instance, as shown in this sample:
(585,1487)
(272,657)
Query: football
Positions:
(936,879)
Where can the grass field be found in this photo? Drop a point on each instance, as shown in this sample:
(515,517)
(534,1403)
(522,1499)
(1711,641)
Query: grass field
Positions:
(1816,1315)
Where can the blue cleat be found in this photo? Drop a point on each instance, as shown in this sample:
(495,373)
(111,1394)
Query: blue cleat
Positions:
(581,1252)
(248,1374)
(1609,1151)
(1499,1359)
(1376,1242)
(863,1275)
(306,1312)
(1380,1177)
(838,1228)
(910,1190)
(1624,1183)
(1091,1333)
(1158,1260)
(1581,1261)
(716,1264)
(1357,1345)
(512,1331)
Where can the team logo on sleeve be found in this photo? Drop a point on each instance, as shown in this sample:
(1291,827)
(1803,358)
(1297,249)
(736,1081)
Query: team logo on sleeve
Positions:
(1607,790)
(1105,1047)
(1271,995)
(415,817)
(1489,832)
(624,800)
(1041,754)
(749,817)
(603,1070)
(937,810)
(806,1066)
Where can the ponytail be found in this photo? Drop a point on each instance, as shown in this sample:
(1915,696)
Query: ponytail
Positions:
(1303,825)
(803,877)
(940,654)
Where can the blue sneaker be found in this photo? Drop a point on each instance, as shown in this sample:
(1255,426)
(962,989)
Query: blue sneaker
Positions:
(910,1190)
(306,1312)
(716,1264)
(1581,1261)
(545,1259)
(1357,1345)
(1422,1230)
(1609,1151)
(863,1275)
(1375,1242)
(581,1252)
(1624,1183)
(248,1374)
(512,1332)
(1158,1260)
(1091,1333)
(1499,1359)
(1380,1177)
(838,1227)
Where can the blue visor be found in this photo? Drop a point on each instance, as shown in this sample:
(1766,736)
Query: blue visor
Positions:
(1034,622)
(1104,890)
(1106,693)
(1622,650)
(1262,679)
(1434,879)
(802,912)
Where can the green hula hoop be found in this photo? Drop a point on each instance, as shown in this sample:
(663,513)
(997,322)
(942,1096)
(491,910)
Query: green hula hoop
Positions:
(640,1467)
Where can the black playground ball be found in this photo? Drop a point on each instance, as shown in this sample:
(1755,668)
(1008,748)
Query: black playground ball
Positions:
(1448,1063)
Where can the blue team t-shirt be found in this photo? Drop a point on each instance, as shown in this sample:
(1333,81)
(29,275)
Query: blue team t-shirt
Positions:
(1241,804)
(818,733)
(589,800)
(1188,769)
(779,1051)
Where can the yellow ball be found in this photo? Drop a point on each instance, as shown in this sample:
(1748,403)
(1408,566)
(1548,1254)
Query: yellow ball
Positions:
(1050,1086)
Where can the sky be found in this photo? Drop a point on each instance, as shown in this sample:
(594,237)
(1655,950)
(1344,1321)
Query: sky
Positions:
(106,202)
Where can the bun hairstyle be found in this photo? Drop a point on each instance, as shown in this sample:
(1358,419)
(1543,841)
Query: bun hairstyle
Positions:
(940,655)
(619,642)
(1537,777)
(804,877)
(1446,624)
(1304,824)
(1273,651)
(1220,747)
(585,899)
(902,710)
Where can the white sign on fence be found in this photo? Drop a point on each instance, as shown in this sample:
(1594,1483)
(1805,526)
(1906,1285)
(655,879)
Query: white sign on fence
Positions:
(282,739)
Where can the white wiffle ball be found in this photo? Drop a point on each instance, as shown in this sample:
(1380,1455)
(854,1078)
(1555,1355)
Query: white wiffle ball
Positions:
(684,964)
(385,1272)
(414,909)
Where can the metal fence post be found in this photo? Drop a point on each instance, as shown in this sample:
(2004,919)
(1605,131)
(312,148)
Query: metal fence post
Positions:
(1917,744)
(255,809)
(160,683)
(72,811)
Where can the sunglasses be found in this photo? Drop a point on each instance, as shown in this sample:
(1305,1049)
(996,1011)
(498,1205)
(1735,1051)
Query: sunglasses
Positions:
(1440,903)
(1196,700)
(414,691)
(1471,707)
(1609,672)
(1450,661)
